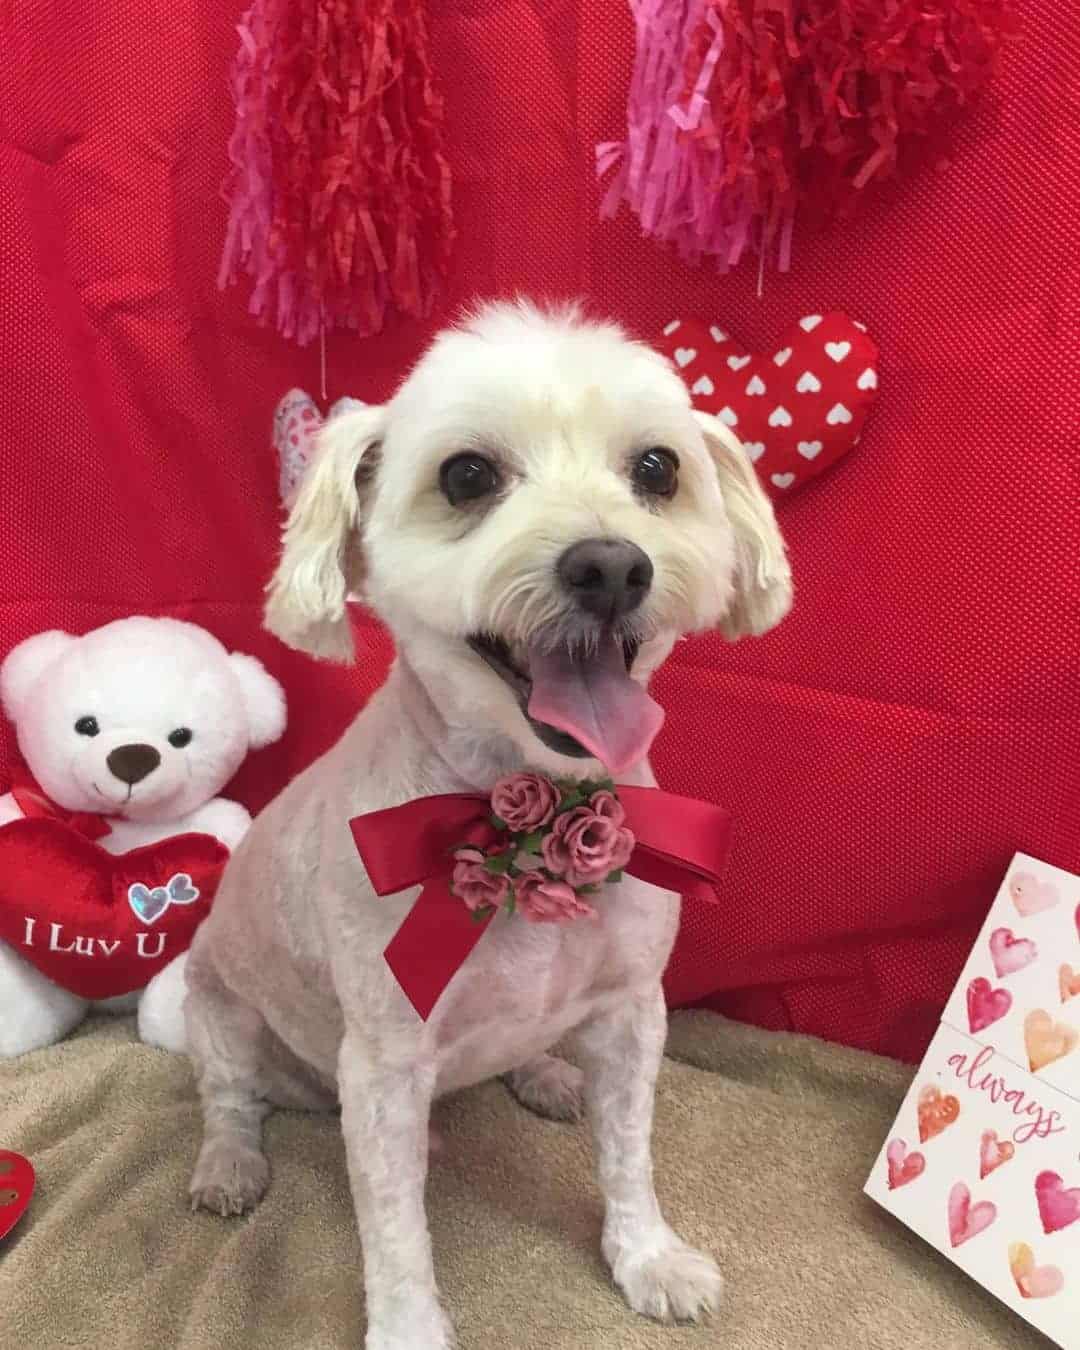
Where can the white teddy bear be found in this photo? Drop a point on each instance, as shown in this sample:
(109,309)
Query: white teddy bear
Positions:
(128,733)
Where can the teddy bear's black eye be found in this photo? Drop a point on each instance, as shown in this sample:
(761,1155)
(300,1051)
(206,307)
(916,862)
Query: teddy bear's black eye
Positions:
(466,477)
(180,737)
(657,472)
(87,726)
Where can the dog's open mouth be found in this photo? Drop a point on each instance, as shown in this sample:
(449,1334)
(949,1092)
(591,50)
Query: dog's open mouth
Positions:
(580,701)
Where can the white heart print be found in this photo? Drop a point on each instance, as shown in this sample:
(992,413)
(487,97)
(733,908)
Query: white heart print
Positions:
(808,383)
(737,362)
(781,356)
(867,380)
(810,322)
(756,385)
(838,350)
(684,355)
(755,449)
(780,417)
(837,414)
(703,386)
(809,449)
(783,480)
(717,334)
(673,327)
(728,416)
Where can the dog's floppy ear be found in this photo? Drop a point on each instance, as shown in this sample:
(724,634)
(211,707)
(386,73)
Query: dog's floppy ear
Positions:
(321,560)
(763,589)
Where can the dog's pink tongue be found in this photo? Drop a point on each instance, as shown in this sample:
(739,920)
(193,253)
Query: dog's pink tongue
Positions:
(593,699)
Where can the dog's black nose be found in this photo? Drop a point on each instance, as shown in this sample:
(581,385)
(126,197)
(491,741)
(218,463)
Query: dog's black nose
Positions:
(607,577)
(131,763)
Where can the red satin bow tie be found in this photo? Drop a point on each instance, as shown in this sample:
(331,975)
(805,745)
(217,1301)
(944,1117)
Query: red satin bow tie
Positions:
(681,845)
(31,800)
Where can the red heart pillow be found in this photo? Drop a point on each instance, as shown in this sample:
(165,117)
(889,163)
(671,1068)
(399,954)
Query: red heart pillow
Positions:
(16,1188)
(798,407)
(100,924)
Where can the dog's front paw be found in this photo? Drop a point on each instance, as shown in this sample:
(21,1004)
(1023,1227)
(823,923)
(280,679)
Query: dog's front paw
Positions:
(229,1178)
(674,1283)
(549,1087)
(417,1331)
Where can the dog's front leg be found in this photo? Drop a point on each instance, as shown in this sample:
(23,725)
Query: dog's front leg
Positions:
(660,1275)
(385,1107)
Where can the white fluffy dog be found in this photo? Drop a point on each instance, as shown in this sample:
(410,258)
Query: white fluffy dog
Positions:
(538,514)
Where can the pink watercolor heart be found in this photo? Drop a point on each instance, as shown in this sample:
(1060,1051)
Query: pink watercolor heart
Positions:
(903,1166)
(1031,896)
(1009,953)
(965,1219)
(1058,1207)
(993,1153)
(986,1005)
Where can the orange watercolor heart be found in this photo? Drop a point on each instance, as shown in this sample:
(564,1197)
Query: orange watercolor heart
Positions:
(1047,1040)
(1033,1281)
(1068,983)
(936,1112)
(993,1153)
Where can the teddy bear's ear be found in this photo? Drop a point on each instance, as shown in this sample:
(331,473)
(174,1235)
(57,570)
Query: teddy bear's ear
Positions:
(25,663)
(264,699)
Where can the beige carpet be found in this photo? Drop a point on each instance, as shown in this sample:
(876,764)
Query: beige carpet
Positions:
(763,1143)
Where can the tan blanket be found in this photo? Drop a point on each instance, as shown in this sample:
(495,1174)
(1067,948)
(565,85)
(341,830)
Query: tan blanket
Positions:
(762,1145)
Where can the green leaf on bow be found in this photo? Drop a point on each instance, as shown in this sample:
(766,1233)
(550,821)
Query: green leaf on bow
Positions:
(479,915)
(497,822)
(511,903)
(612,877)
(530,843)
(498,864)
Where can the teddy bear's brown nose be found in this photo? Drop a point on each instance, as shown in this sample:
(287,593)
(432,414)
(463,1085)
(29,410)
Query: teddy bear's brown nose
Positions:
(131,763)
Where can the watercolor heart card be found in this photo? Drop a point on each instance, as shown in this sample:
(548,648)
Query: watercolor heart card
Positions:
(983,1161)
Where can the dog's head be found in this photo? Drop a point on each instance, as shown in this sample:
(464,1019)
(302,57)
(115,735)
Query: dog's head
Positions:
(538,514)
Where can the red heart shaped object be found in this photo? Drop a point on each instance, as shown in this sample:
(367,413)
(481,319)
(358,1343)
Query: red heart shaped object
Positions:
(796,408)
(65,904)
(16,1188)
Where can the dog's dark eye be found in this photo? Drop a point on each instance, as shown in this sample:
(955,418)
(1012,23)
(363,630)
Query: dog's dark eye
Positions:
(87,726)
(466,477)
(180,737)
(657,472)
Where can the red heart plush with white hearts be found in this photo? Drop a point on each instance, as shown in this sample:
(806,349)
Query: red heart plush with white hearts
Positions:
(796,408)
(96,923)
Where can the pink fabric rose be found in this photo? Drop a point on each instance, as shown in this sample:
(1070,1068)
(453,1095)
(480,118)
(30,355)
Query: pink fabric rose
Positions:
(583,847)
(542,900)
(479,888)
(525,801)
(606,804)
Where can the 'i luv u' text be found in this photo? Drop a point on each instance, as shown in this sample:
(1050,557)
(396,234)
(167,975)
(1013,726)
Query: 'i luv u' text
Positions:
(58,941)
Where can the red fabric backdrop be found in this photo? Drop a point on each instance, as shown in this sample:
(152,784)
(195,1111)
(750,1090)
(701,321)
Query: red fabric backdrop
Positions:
(884,752)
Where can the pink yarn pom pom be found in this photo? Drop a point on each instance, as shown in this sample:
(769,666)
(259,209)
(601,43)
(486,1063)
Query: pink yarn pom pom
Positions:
(670,169)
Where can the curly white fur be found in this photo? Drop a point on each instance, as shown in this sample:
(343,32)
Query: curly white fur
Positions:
(290,999)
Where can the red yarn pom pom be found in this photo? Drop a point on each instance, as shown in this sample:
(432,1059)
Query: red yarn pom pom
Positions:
(340,191)
(798,105)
